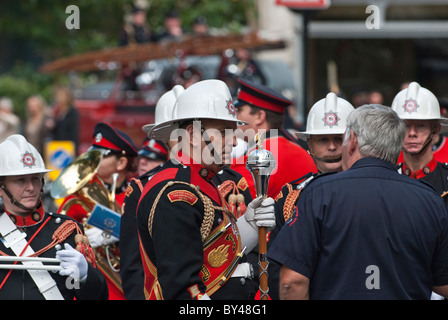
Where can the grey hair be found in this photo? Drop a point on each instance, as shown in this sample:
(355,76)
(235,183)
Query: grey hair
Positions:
(379,130)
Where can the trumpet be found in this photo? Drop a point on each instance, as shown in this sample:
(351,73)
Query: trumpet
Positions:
(80,178)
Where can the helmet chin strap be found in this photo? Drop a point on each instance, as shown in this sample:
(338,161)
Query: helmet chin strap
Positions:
(425,145)
(334,159)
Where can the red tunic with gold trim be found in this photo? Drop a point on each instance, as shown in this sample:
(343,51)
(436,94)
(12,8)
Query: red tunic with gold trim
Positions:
(189,243)
(292,160)
(41,230)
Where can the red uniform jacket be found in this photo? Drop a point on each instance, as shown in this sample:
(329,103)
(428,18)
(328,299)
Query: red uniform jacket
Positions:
(292,160)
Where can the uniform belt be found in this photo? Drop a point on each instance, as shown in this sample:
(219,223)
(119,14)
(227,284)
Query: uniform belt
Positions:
(243,270)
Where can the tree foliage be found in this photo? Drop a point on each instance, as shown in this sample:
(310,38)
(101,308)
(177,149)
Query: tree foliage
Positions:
(33,32)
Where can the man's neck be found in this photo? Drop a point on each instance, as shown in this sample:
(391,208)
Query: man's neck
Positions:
(416,162)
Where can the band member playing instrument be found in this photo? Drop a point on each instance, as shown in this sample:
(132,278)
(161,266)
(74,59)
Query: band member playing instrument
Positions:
(192,246)
(31,236)
(115,169)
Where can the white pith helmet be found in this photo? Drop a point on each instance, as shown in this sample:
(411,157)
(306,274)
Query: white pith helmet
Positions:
(327,116)
(417,103)
(164,108)
(207,99)
(19,157)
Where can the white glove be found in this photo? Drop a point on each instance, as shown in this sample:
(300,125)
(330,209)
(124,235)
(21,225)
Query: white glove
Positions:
(73,263)
(97,238)
(259,213)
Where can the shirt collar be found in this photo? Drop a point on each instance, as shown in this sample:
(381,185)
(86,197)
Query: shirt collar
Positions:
(30,219)
(372,161)
(427,169)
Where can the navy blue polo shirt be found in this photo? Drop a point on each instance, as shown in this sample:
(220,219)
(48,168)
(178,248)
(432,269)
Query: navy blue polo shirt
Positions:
(367,233)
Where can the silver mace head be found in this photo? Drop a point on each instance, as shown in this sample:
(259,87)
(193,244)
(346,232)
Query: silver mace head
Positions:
(260,163)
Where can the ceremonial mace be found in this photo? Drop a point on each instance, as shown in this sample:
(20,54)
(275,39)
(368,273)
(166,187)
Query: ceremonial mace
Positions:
(261,163)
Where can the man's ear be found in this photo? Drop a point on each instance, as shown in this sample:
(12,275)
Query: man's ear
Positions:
(194,138)
(122,163)
(352,143)
(260,117)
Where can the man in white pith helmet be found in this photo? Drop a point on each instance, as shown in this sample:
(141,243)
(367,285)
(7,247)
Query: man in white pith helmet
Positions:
(326,124)
(420,109)
(28,231)
(192,247)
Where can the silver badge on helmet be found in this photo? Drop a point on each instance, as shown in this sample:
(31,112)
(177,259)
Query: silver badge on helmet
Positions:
(28,160)
(410,106)
(331,119)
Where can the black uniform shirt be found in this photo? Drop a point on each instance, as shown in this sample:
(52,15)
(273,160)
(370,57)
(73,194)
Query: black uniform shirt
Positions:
(368,221)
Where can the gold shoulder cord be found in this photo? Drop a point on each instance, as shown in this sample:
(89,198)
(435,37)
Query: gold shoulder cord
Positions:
(290,201)
(209,209)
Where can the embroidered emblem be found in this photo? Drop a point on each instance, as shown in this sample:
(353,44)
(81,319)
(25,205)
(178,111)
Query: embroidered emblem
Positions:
(231,107)
(98,137)
(182,195)
(331,119)
(205,273)
(28,160)
(218,256)
(242,184)
(410,106)
(194,290)
(128,191)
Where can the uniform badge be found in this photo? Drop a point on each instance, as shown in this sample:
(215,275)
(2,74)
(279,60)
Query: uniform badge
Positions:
(231,107)
(128,191)
(331,119)
(28,159)
(410,106)
(218,256)
(242,184)
(182,195)
(98,137)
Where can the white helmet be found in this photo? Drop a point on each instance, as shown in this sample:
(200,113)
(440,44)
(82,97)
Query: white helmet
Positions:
(164,108)
(417,103)
(327,116)
(18,157)
(207,99)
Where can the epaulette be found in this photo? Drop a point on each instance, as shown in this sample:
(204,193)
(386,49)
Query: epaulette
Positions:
(293,191)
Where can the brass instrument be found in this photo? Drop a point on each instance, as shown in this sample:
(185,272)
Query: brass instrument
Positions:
(80,179)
